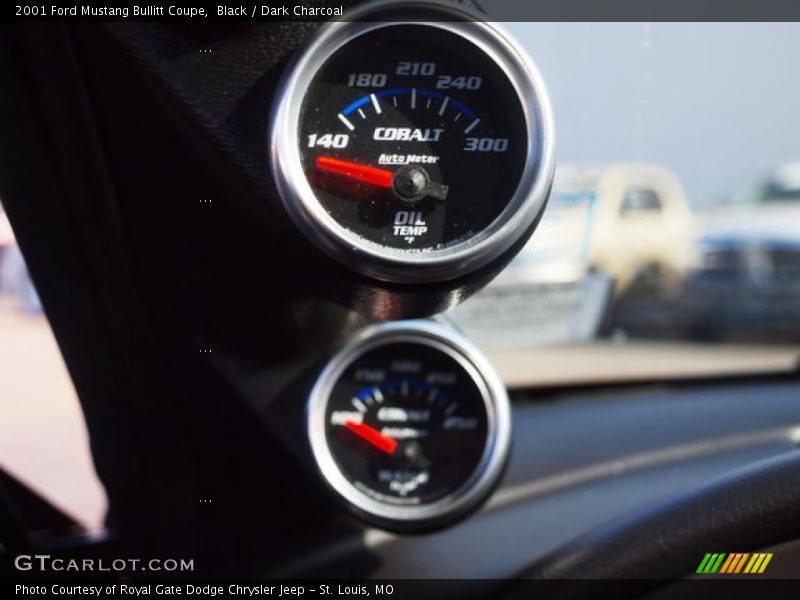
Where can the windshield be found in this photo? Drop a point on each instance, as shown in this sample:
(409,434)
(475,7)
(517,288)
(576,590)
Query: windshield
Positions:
(671,243)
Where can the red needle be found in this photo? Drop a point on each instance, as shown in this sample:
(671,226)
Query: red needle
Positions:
(373,436)
(372,175)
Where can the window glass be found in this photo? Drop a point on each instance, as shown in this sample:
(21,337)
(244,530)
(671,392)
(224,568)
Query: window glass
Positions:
(695,126)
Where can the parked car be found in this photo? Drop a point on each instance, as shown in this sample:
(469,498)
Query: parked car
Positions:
(640,224)
(610,231)
(747,279)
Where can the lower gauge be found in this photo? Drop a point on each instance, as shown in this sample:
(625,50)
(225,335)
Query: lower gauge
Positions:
(410,425)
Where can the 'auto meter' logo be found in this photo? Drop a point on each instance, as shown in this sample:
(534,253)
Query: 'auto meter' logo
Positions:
(734,563)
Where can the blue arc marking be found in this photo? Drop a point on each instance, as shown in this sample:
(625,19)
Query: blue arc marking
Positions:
(467,112)
(402,91)
(431,94)
(413,384)
(394,92)
(355,105)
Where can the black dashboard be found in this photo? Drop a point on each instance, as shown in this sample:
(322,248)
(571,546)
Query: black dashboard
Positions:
(581,459)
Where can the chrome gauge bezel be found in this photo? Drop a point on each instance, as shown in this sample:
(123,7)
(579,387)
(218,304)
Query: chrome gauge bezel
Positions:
(498,438)
(390,264)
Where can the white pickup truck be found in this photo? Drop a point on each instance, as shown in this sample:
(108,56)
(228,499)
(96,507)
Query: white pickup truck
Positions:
(609,230)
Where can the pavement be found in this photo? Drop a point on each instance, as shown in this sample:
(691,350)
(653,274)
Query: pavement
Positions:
(612,362)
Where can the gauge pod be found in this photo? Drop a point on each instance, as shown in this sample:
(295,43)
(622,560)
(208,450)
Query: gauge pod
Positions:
(410,425)
(413,149)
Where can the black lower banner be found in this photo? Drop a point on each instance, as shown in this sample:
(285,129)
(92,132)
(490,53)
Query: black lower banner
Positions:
(402,589)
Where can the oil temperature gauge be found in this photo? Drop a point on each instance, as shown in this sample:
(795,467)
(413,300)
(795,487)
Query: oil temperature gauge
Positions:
(410,425)
(416,148)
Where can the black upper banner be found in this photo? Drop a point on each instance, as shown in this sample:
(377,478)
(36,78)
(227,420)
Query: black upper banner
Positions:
(496,10)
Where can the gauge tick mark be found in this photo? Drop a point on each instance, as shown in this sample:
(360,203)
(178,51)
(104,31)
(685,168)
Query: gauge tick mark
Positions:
(346,121)
(444,105)
(375,103)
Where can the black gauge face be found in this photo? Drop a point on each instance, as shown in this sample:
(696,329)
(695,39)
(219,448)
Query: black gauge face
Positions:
(410,425)
(406,425)
(412,138)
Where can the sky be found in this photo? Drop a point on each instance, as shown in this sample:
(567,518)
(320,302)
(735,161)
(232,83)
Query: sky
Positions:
(719,103)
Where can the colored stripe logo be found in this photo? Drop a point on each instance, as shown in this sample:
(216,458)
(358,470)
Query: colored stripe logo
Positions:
(734,563)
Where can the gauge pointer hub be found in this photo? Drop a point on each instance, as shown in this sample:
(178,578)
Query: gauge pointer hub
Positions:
(372,436)
(409,183)
(412,183)
(413,452)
